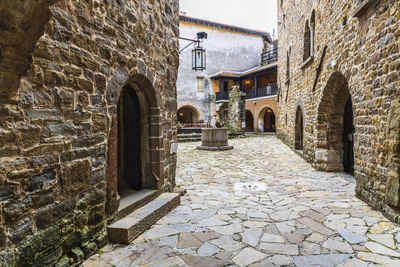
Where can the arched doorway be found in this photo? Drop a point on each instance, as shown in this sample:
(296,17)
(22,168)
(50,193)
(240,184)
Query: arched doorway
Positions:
(187,115)
(249,121)
(348,138)
(269,121)
(299,129)
(129,140)
(266,120)
(135,156)
(335,129)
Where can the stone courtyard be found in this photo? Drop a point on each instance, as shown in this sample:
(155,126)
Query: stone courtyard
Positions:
(301,218)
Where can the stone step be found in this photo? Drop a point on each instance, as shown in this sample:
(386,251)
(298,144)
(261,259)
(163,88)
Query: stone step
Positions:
(129,228)
(132,200)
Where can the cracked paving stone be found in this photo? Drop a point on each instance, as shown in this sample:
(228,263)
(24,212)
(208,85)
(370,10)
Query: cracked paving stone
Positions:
(187,240)
(281,260)
(251,237)
(320,260)
(199,261)
(227,242)
(248,256)
(207,249)
(379,259)
(338,246)
(271,238)
(277,248)
(227,229)
(380,249)
(384,239)
(160,231)
(352,238)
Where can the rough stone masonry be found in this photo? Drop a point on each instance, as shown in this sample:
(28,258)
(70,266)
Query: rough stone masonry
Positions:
(63,64)
(337,52)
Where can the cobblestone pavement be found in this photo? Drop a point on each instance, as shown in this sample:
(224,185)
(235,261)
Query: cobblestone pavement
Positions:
(304,218)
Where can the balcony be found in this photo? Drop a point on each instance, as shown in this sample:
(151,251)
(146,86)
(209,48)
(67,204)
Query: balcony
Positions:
(270,90)
(222,96)
(269,56)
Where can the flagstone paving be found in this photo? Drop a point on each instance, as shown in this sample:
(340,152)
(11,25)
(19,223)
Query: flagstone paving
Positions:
(304,218)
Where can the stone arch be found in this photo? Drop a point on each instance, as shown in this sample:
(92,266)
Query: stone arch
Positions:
(249,121)
(266,120)
(299,128)
(330,123)
(152,151)
(20,34)
(194,107)
(392,145)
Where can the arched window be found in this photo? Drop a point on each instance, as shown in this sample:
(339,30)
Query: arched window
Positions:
(309,33)
(312,36)
(307,42)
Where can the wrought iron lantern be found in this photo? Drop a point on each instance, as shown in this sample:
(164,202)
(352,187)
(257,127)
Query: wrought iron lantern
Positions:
(198,58)
(198,52)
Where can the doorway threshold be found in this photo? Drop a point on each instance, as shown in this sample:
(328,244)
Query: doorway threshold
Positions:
(132,200)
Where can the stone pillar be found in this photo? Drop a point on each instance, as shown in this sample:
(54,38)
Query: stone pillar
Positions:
(237,109)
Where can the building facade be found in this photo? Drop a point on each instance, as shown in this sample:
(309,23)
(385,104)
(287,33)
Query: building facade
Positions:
(229,48)
(259,95)
(339,94)
(78,80)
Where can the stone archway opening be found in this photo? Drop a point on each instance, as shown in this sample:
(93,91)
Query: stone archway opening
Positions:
(249,121)
(335,129)
(266,120)
(188,115)
(135,150)
(299,129)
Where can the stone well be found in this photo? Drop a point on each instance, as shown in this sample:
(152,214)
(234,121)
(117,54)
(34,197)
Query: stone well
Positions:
(214,139)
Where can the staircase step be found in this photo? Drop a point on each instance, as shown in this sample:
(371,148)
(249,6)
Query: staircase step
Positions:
(132,200)
(129,228)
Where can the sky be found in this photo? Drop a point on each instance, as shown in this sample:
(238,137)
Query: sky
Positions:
(253,14)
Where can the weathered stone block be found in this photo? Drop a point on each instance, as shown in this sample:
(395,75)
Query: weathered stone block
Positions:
(7,191)
(41,181)
(75,176)
(45,114)
(89,249)
(52,214)
(77,254)
(63,262)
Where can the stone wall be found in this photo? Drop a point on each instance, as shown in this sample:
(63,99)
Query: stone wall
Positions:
(356,54)
(62,66)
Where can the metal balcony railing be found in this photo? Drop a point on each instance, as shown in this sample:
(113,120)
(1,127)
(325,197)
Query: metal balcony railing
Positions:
(269,56)
(222,96)
(270,90)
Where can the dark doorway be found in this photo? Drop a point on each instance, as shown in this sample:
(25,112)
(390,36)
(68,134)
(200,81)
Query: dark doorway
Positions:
(269,121)
(129,140)
(249,121)
(299,129)
(348,138)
